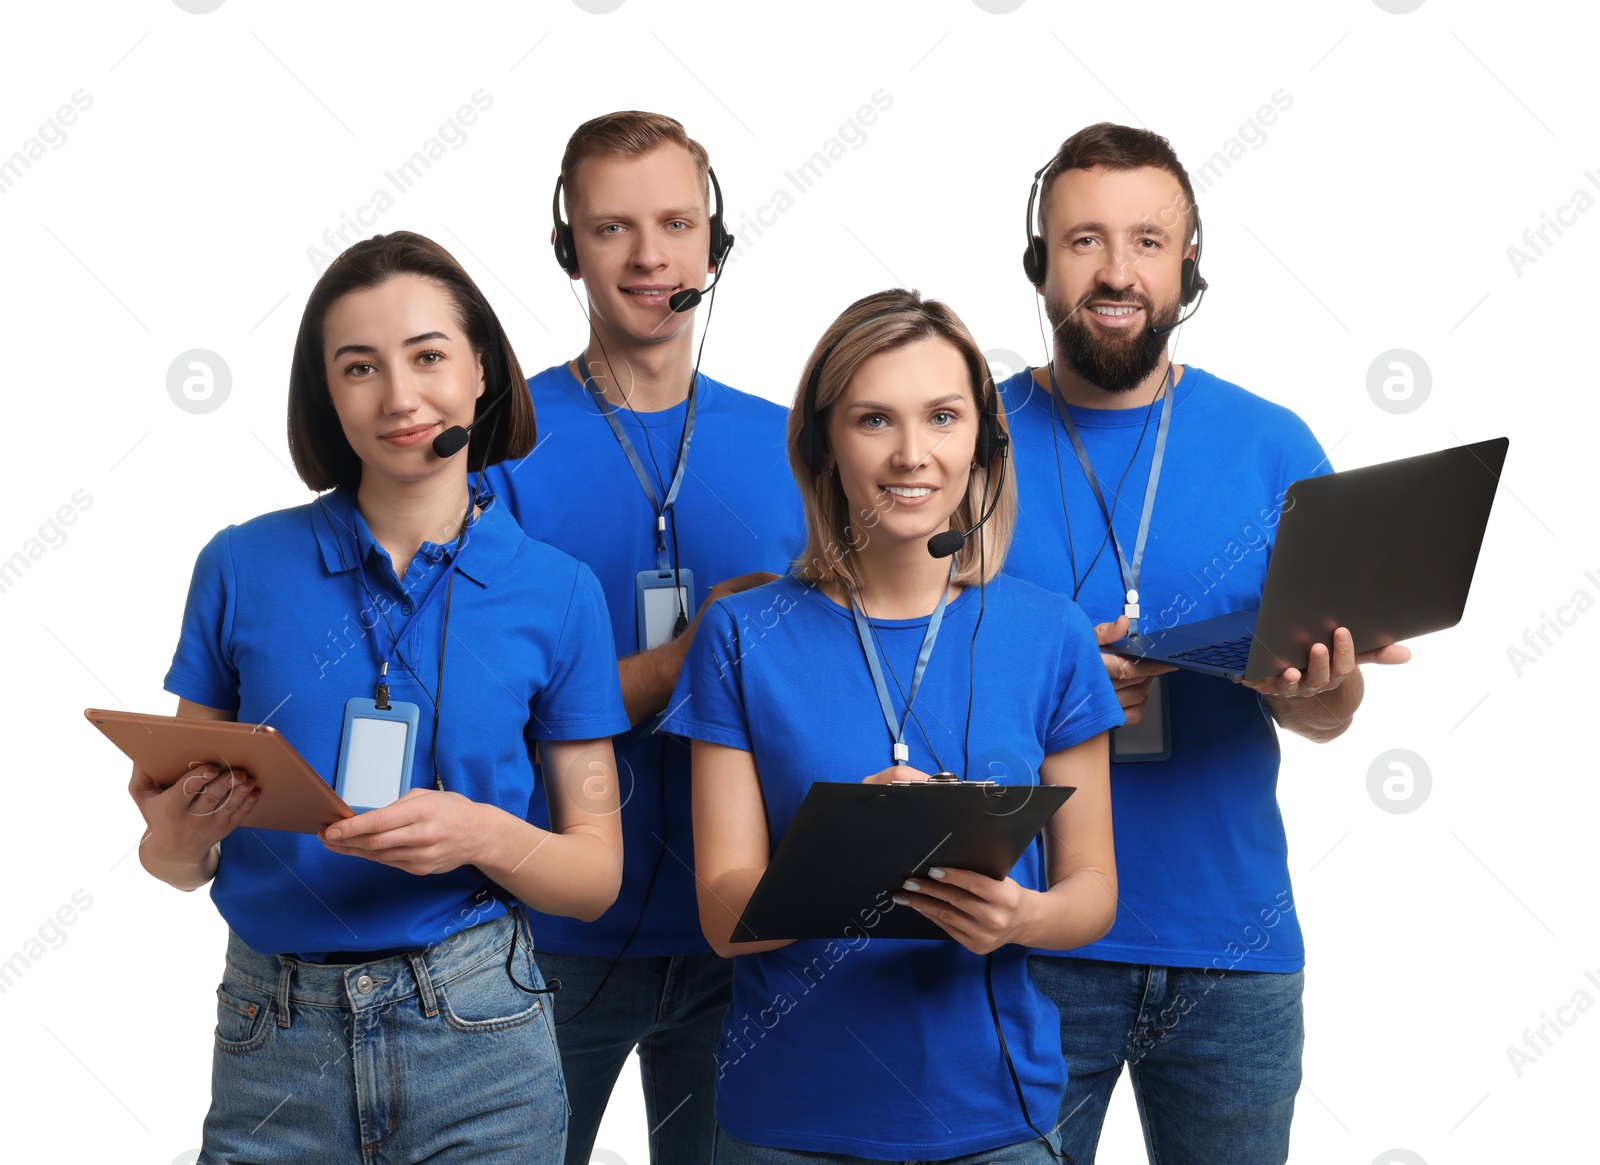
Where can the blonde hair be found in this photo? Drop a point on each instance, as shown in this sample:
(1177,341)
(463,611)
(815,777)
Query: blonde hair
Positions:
(628,134)
(881,323)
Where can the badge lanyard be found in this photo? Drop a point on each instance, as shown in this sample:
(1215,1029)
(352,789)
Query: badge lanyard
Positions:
(1130,570)
(897,731)
(609,411)
(447,584)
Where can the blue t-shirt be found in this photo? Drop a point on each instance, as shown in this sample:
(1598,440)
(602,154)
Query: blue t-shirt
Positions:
(737,512)
(878,1047)
(280,630)
(1202,861)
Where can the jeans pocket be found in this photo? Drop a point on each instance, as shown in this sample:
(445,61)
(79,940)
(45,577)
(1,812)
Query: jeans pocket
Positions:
(243,1018)
(484,999)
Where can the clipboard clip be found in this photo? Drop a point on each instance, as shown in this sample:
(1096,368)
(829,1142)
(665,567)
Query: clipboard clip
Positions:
(948,780)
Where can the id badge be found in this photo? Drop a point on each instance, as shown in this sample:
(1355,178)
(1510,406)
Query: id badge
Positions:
(1151,738)
(660,603)
(376,749)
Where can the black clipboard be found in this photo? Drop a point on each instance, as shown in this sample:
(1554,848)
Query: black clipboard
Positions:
(851,844)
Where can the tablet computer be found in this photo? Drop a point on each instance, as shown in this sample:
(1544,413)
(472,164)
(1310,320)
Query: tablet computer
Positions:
(294,797)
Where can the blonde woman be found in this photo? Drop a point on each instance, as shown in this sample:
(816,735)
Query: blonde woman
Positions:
(875,660)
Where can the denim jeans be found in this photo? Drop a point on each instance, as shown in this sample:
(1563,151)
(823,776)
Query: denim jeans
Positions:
(732,1151)
(430,1056)
(1214,1056)
(671,1009)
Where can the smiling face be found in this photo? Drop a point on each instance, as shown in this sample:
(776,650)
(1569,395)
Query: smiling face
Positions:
(400,371)
(642,230)
(1116,240)
(901,439)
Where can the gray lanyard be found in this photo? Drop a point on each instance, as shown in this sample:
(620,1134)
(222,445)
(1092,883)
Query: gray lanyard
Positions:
(1130,570)
(608,410)
(897,730)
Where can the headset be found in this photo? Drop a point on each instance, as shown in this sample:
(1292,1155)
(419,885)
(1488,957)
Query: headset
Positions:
(1035,258)
(992,440)
(722,242)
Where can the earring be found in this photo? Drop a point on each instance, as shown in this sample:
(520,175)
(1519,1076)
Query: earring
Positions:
(828,471)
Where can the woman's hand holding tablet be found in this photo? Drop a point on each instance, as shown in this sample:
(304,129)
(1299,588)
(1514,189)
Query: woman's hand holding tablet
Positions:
(424,832)
(184,823)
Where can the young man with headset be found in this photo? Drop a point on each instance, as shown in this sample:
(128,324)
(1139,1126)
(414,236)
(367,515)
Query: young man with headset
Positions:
(674,489)
(1149,493)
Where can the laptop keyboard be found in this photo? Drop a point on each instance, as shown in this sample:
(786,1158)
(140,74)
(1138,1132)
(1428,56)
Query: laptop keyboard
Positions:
(1230,654)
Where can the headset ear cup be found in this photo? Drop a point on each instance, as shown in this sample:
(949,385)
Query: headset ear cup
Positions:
(991,440)
(994,449)
(810,446)
(566,253)
(1193,283)
(721,242)
(1033,261)
(561,241)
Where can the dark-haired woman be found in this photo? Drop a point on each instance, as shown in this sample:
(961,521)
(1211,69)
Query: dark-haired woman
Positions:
(380,1001)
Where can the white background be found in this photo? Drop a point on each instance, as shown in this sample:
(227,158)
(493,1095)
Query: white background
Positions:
(1375,213)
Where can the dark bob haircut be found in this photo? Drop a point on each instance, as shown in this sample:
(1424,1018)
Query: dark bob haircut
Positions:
(322,456)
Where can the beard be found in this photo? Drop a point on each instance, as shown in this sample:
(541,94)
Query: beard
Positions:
(1112,361)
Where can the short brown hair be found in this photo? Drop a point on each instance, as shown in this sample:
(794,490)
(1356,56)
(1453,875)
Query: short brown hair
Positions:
(881,323)
(322,456)
(627,134)
(1117,147)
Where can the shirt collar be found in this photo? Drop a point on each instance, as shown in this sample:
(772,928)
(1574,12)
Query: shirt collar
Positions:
(492,540)
(345,539)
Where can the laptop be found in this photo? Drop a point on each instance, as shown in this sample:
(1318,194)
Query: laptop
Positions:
(1387,551)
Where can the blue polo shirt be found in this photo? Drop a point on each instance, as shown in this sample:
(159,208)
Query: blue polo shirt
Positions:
(736,512)
(281,627)
(1202,859)
(868,1046)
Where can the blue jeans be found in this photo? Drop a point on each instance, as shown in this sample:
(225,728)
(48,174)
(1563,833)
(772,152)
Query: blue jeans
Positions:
(732,1151)
(671,1009)
(1214,1056)
(430,1056)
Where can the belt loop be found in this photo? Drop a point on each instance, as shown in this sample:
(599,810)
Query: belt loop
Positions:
(284,972)
(419,967)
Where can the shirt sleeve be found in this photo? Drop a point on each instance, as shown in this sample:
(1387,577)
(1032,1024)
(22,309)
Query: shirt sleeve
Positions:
(583,700)
(203,669)
(708,703)
(1299,455)
(1088,704)
(1302,455)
